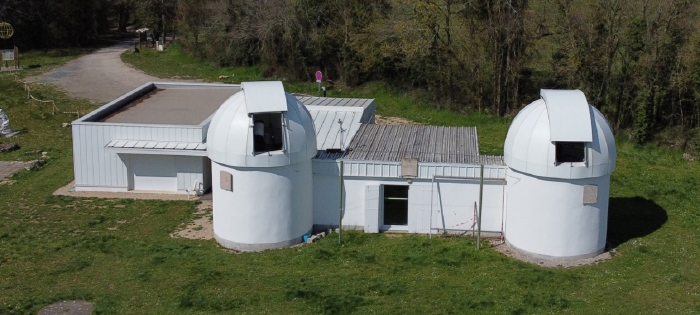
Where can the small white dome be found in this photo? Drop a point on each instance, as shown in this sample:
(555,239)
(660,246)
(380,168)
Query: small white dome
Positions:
(261,126)
(562,120)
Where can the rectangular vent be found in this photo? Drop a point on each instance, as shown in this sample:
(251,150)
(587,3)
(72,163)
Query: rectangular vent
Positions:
(590,194)
(226,180)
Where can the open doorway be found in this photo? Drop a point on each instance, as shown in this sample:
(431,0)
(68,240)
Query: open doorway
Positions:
(395,206)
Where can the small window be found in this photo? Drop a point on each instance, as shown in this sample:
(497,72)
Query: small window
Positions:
(267,132)
(395,205)
(570,152)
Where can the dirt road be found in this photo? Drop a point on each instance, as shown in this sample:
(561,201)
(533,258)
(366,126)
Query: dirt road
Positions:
(100,76)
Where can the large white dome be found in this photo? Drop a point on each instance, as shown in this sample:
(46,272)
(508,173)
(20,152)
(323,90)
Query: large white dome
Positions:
(261,126)
(560,118)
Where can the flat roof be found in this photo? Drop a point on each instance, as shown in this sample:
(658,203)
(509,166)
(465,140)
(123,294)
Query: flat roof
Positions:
(173,106)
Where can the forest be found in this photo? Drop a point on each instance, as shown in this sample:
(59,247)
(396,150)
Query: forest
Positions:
(638,61)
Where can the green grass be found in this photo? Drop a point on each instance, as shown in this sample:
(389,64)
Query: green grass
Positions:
(55,248)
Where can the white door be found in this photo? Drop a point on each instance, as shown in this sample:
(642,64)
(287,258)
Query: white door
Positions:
(153,172)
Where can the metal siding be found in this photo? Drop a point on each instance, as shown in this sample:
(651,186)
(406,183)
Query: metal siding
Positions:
(95,166)
(103,135)
(182,177)
(80,153)
(189,170)
(203,132)
(77,159)
(95,157)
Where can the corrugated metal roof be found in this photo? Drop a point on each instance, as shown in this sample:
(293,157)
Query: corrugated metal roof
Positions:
(157,145)
(326,111)
(427,144)
(331,101)
(329,134)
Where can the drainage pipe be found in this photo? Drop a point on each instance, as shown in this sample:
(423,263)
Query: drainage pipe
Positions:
(481,197)
(432,192)
(340,206)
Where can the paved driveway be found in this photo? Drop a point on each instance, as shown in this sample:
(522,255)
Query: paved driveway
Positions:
(100,76)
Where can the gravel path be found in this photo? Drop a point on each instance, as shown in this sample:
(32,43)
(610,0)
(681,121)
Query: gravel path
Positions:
(67,308)
(100,76)
(554,263)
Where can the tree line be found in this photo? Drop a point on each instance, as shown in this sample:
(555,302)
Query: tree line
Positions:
(41,24)
(638,61)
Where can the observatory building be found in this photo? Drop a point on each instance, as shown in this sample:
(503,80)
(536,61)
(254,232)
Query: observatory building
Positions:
(280,166)
(560,152)
(261,142)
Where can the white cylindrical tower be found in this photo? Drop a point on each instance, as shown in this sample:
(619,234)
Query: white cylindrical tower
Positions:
(560,152)
(261,142)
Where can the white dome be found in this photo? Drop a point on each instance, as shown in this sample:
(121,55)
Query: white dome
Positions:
(560,117)
(235,132)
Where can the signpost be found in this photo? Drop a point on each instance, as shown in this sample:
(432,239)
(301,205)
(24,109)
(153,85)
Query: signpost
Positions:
(319,76)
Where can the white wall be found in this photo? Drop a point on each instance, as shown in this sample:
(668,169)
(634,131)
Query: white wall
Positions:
(152,172)
(99,169)
(452,202)
(547,217)
(269,207)
(171,173)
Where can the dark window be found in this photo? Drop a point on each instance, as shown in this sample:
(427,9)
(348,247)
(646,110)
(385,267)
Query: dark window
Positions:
(395,205)
(267,132)
(570,152)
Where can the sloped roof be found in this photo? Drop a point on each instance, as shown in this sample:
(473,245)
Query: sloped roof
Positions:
(427,144)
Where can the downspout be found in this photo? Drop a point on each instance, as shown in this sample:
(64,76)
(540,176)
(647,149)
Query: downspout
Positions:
(503,215)
(481,196)
(432,192)
(340,206)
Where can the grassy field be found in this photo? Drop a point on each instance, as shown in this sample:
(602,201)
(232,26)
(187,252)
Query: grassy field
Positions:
(118,253)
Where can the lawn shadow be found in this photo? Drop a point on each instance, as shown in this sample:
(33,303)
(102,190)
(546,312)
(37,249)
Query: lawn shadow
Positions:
(632,217)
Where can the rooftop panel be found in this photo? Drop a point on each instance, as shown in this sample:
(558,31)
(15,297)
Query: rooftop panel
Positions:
(173,106)
(264,96)
(427,144)
(332,101)
(569,115)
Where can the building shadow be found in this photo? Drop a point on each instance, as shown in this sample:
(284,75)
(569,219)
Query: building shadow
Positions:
(632,217)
